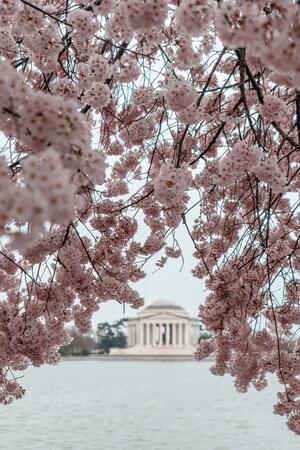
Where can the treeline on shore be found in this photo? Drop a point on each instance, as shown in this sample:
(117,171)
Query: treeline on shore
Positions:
(100,342)
(105,337)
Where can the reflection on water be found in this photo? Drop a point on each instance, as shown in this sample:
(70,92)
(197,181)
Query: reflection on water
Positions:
(128,405)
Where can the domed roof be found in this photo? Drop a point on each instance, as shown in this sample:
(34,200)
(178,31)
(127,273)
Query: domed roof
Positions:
(163,304)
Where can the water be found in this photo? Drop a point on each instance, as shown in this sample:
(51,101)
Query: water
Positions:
(139,405)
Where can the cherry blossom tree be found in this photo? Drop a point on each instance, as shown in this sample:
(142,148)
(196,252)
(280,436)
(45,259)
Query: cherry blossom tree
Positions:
(122,114)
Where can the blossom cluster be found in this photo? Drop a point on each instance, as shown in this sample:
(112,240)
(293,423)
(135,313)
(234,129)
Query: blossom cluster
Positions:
(233,165)
(127,118)
(193,17)
(171,184)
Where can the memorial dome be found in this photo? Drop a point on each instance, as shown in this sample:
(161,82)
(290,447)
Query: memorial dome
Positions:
(163,304)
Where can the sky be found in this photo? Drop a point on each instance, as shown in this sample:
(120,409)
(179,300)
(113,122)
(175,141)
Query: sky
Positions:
(167,283)
(171,282)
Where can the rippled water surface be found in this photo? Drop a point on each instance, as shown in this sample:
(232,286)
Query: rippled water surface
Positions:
(127,405)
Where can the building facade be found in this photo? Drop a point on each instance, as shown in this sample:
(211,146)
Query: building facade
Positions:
(161,328)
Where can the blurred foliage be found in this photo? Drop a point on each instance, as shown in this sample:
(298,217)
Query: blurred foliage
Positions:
(111,335)
(82,345)
(203,333)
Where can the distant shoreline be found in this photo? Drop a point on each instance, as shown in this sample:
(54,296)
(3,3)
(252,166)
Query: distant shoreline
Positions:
(132,358)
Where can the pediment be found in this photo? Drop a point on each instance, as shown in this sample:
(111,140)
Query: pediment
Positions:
(163,316)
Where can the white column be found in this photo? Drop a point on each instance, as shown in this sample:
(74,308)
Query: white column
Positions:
(129,343)
(187,334)
(180,334)
(167,333)
(147,333)
(141,334)
(160,333)
(154,334)
(183,334)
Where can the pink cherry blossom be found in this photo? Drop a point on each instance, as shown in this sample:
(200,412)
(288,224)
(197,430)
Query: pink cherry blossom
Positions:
(122,119)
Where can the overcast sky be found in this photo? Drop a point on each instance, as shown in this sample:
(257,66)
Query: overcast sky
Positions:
(167,283)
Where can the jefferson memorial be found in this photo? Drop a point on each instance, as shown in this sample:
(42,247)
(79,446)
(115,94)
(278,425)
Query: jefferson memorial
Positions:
(162,328)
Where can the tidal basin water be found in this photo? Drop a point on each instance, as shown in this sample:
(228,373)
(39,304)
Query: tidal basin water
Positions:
(128,405)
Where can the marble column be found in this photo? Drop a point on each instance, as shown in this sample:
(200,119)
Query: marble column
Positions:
(187,340)
(140,334)
(147,333)
(180,334)
(160,333)
(184,334)
(154,334)
(129,335)
(167,334)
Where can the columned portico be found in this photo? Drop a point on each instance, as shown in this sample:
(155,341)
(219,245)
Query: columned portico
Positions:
(168,333)
(162,328)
